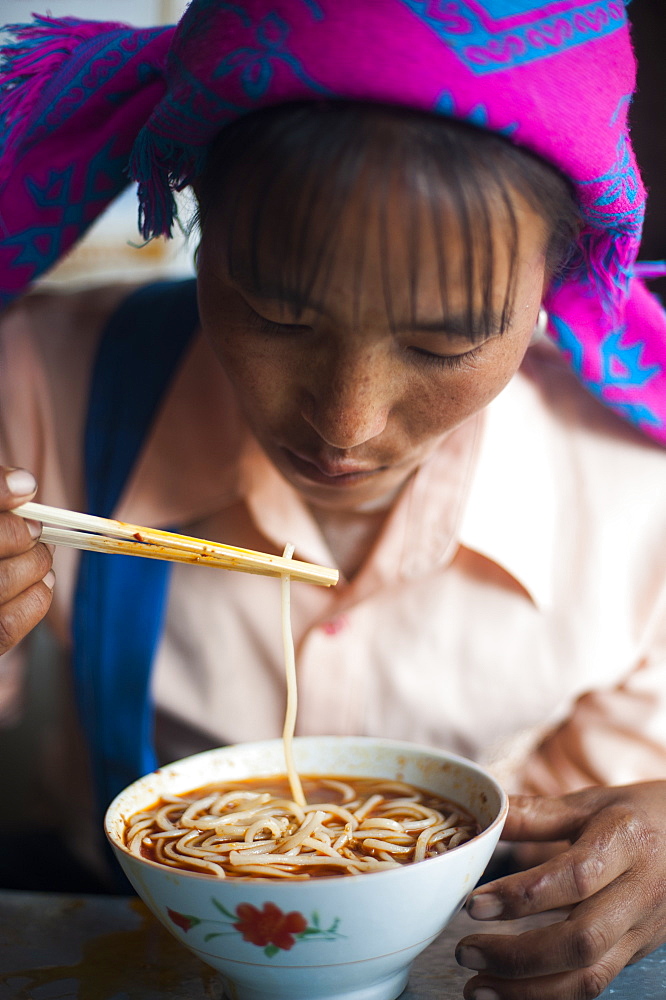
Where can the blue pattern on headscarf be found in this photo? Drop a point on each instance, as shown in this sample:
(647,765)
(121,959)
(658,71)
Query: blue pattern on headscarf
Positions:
(621,181)
(255,64)
(39,247)
(621,367)
(486,43)
(314,9)
(88,66)
(446,105)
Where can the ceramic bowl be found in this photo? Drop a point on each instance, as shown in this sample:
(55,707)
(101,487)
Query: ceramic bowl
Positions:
(355,936)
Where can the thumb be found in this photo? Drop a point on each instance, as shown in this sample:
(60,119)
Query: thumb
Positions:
(16,487)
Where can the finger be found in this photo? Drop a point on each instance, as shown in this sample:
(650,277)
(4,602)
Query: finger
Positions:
(17,534)
(652,941)
(16,486)
(581,984)
(19,616)
(592,930)
(601,854)
(533,817)
(22,571)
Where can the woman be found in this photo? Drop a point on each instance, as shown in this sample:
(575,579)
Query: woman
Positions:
(390,196)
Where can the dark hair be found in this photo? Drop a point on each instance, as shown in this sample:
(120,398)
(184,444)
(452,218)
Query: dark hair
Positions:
(278,168)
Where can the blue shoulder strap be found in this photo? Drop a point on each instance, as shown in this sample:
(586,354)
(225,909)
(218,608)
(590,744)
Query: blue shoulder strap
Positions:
(120,600)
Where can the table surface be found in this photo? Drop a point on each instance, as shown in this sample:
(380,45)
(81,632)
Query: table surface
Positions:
(61,947)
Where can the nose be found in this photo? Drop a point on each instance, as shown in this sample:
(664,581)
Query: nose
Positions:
(348,402)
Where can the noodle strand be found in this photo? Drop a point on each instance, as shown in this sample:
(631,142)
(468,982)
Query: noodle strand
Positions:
(292,694)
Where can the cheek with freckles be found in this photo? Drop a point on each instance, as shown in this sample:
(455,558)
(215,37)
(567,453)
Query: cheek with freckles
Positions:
(261,385)
(450,401)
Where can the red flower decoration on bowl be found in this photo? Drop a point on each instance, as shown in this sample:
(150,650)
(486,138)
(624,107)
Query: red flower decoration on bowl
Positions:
(269,926)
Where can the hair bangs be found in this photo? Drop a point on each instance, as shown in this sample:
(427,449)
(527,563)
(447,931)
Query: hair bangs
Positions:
(290,182)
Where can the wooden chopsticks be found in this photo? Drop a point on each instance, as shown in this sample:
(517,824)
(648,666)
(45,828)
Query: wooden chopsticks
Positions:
(101,534)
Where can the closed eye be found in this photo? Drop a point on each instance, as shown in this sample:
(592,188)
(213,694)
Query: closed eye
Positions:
(270,326)
(450,361)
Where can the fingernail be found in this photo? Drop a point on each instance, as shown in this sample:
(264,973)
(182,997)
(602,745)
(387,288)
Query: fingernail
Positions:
(49,579)
(471,958)
(484,993)
(35,528)
(20,483)
(484,906)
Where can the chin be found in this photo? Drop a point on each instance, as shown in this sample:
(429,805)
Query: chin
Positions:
(373,490)
(374,494)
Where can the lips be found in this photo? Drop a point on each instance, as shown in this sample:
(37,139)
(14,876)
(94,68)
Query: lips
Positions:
(331,471)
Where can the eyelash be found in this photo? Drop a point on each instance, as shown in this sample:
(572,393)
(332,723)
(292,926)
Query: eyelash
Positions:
(452,362)
(268,326)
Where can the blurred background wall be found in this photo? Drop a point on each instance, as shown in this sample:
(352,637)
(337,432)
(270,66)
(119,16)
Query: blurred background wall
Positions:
(141,12)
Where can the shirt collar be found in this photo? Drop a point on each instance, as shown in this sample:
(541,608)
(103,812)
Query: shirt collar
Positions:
(512,507)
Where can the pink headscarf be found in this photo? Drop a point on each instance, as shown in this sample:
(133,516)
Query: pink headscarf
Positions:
(79,99)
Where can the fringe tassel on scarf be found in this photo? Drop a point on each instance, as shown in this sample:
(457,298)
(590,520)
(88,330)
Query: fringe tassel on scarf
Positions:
(27,65)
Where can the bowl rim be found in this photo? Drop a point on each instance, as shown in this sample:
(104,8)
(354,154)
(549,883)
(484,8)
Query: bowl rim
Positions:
(381,742)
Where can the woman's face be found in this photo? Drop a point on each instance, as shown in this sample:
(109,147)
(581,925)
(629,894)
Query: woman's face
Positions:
(346,400)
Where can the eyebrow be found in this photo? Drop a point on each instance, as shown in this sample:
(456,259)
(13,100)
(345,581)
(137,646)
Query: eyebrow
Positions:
(472,328)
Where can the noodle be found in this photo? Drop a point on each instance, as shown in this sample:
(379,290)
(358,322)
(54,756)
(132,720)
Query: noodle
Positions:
(235,831)
(292,695)
(270,829)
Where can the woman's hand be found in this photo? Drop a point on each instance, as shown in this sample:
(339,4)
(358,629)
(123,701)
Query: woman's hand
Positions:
(611,878)
(26,577)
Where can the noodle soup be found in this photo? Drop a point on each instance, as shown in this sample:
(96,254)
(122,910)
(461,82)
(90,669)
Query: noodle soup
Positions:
(232,854)
(228,852)
(289,937)
(347,826)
